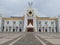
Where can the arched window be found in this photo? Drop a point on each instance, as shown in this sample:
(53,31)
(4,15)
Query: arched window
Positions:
(20,30)
(45,30)
(39,30)
(13,30)
(52,30)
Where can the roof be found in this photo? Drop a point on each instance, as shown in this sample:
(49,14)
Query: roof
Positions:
(14,18)
(45,18)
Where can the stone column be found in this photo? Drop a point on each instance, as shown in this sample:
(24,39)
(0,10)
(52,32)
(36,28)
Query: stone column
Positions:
(54,29)
(18,29)
(41,29)
(51,29)
(44,29)
(12,29)
(48,29)
(8,29)
(37,29)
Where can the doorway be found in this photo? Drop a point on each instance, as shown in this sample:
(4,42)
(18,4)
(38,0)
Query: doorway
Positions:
(30,21)
(30,30)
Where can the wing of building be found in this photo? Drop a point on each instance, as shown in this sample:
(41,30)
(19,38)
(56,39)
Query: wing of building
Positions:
(30,22)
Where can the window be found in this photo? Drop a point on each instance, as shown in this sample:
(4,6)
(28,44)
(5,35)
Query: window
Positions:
(13,30)
(16,28)
(20,22)
(45,30)
(52,22)
(39,22)
(7,22)
(30,12)
(14,22)
(46,22)
(52,30)
(20,30)
(39,30)
(3,27)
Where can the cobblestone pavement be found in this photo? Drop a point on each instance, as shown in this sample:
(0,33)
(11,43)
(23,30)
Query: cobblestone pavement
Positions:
(29,39)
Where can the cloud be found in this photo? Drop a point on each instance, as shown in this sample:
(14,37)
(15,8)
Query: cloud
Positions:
(16,7)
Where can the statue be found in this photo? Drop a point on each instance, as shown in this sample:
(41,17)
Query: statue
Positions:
(30,4)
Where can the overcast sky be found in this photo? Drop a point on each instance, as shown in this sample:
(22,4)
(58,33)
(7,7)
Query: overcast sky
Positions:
(17,7)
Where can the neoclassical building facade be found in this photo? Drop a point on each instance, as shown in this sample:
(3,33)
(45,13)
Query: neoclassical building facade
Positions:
(30,22)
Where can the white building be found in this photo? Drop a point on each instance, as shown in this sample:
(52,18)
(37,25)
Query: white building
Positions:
(30,22)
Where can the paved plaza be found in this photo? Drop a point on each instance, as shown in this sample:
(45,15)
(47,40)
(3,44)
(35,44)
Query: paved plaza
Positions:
(29,38)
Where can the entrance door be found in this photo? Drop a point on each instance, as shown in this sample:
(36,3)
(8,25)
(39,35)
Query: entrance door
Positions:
(29,29)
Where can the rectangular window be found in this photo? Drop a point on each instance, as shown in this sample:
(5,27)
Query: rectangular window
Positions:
(7,22)
(20,22)
(52,22)
(46,22)
(14,22)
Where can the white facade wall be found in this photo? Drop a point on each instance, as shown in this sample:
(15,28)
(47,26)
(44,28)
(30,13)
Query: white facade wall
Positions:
(17,24)
(49,25)
(59,24)
(1,24)
(38,26)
